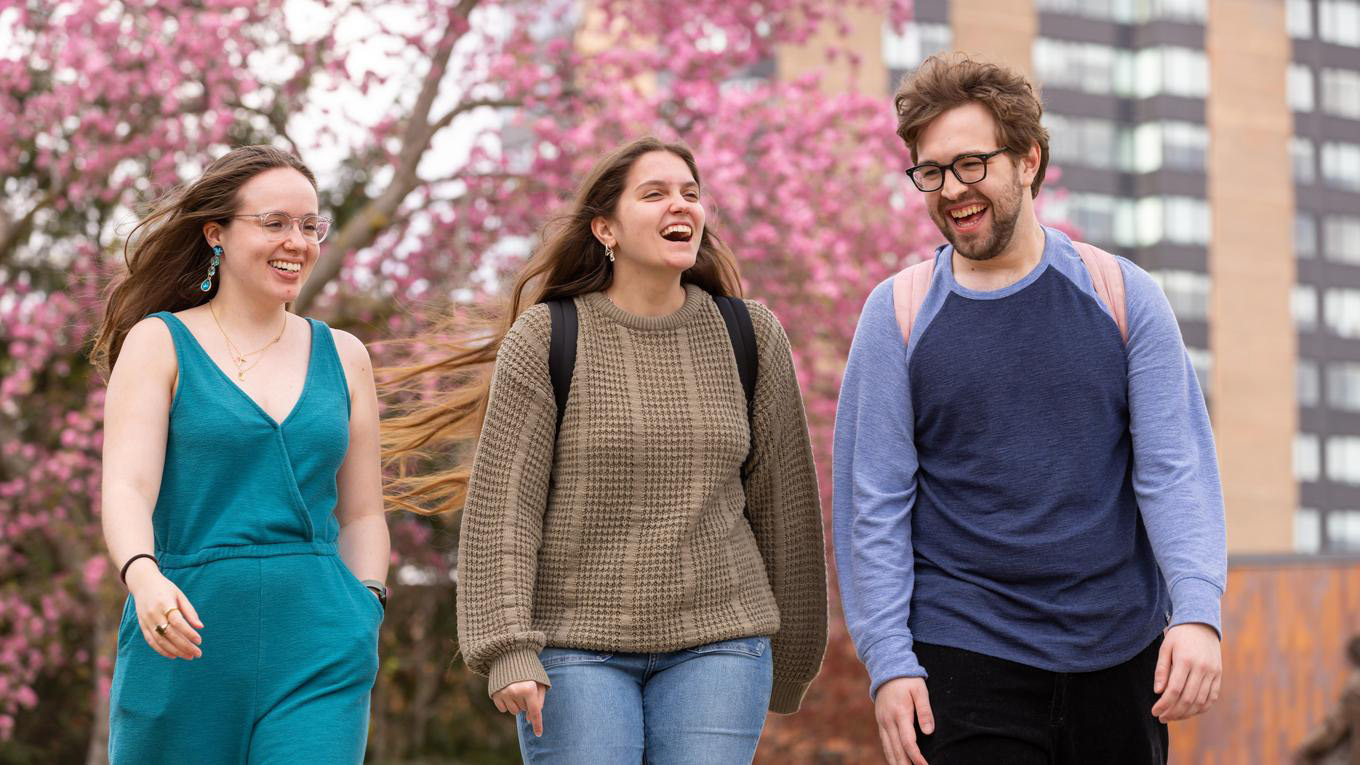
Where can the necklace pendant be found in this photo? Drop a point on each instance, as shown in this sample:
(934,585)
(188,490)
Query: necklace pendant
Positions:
(241,376)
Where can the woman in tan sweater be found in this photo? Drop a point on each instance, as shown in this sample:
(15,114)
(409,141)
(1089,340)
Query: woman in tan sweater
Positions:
(647,578)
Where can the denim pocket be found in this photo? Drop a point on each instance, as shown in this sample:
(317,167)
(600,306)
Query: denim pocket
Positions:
(559,657)
(747,646)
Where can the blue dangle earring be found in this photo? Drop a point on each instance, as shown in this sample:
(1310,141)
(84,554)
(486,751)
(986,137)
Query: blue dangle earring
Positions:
(212,267)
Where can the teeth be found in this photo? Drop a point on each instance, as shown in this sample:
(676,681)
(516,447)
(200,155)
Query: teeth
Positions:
(965,211)
(676,228)
(284,265)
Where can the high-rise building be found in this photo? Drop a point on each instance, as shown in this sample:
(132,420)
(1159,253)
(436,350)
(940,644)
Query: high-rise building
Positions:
(1216,143)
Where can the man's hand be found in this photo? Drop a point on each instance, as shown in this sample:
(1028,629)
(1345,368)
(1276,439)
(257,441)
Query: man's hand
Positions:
(899,704)
(1189,668)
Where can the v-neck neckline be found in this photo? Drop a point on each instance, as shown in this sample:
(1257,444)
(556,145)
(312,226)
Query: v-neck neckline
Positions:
(226,378)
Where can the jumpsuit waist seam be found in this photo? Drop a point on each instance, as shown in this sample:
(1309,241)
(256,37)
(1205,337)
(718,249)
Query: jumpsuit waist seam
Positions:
(210,554)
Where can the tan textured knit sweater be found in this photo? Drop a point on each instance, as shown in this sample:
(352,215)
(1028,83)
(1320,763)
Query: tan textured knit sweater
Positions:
(628,533)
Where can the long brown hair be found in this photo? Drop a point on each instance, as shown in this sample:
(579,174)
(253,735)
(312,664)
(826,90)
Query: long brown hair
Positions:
(166,254)
(440,419)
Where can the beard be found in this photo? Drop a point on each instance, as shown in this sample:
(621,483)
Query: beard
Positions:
(1005,214)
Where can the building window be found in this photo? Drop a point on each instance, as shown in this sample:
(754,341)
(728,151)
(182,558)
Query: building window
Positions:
(1090,142)
(1185,145)
(1129,11)
(1339,22)
(1341,165)
(1140,149)
(1202,361)
(1102,69)
(1187,291)
(1341,92)
(1343,530)
(1298,18)
(1341,311)
(1343,459)
(1165,69)
(1343,385)
(1305,235)
(1306,382)
(1186,220)
(1307,457)
(1341,238)
(1303,302)
(1154,145)
(1175,10)
(1181,220)
(1299,88)
(904,50)
(1301,156)
(1076,66)
(1096,216)
(1307,531)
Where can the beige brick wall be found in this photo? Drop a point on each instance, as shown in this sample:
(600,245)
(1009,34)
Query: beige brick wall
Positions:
(864,73)
(1001,31)
(1251,265)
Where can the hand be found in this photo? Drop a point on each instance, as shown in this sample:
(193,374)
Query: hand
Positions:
(1189,668)
(525,696)
(154,595)
(899,704)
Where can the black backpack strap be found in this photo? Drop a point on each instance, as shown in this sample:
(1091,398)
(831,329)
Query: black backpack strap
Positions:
(562,351)
(743,336)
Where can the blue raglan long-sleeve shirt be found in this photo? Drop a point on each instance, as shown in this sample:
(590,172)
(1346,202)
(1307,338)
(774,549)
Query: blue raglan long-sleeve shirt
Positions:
(1017,481)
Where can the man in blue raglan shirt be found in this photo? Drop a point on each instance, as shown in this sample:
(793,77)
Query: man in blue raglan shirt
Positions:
(1028,519)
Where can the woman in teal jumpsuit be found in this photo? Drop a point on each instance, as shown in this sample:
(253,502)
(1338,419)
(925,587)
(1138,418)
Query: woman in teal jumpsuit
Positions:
(242,493)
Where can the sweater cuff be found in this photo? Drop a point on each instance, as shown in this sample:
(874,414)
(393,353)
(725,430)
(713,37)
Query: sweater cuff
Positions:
(1195,600)
(786,696)
(890,658)
(515,666)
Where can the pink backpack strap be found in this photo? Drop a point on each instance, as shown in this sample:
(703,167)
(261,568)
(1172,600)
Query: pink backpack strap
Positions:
(1108,281)
(909,293)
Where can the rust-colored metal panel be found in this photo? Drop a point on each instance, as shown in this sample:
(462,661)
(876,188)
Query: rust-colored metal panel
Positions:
(1286,621)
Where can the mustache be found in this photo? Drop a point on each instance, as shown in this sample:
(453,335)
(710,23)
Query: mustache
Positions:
(962,202)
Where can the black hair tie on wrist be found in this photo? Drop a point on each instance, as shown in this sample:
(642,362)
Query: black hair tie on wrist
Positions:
(123,574)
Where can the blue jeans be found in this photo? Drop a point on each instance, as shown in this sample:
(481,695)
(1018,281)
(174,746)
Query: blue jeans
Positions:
(704,704)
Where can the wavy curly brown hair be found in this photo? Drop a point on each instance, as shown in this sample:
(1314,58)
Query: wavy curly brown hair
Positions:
(948,80)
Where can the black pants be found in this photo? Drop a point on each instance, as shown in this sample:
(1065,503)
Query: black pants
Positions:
(990,711)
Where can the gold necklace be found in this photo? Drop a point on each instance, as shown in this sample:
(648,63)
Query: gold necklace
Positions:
(238,359)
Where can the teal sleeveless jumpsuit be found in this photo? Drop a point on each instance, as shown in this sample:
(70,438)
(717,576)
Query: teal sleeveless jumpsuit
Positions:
(245,526)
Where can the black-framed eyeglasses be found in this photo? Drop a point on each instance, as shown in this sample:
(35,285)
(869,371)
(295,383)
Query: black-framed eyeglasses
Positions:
(968,168)
(277,225)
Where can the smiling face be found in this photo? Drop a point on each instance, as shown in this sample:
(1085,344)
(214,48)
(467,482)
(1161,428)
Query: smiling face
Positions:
(251,262)
(978,219)
(659,220)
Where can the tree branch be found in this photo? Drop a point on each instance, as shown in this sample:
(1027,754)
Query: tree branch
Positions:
(467,106)
(379,212)
(277,120)
(15,232)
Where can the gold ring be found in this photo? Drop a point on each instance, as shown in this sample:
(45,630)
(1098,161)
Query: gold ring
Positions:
(166,613)
(161,629)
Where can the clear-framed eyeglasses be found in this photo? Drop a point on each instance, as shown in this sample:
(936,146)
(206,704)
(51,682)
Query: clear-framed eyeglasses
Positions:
(277,225)
(968,168)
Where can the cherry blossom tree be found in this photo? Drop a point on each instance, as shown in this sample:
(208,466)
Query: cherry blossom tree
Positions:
(444,132)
